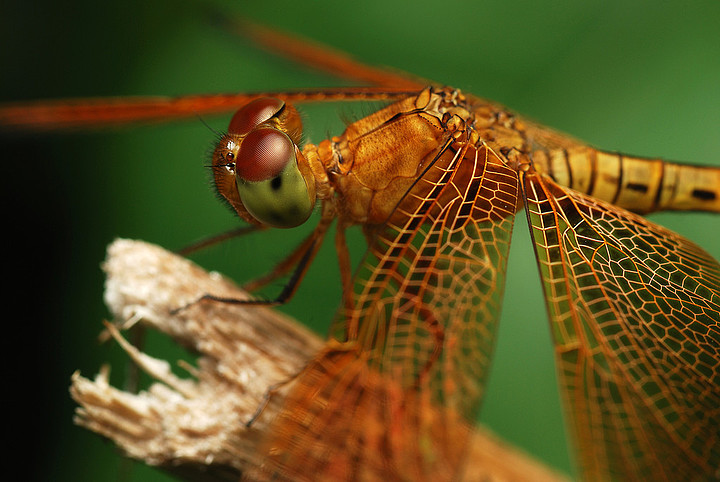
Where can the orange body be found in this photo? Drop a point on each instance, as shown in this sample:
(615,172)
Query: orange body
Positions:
(435,179)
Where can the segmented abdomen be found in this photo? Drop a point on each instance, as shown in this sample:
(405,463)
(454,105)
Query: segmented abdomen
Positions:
(634,183)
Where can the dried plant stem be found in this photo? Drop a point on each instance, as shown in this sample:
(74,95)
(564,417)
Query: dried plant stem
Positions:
(195,427)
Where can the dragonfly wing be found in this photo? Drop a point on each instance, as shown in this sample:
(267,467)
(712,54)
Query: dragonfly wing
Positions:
(94,113)
(397,389)
(321,57)
(436,282)
(635,315)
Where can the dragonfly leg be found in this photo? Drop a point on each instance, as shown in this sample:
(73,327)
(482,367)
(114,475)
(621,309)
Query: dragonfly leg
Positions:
(269,393)
(438,333)
(217,239)
(283,267)
(345,267)
(288,290)
(305,252)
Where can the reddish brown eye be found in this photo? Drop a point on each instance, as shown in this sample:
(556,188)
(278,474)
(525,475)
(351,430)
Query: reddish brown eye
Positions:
(263,154)
(256,112)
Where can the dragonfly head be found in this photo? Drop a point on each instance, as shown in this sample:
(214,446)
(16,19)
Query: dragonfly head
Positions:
(259,169)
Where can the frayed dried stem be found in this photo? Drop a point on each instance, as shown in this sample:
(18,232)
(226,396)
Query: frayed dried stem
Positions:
(195,427)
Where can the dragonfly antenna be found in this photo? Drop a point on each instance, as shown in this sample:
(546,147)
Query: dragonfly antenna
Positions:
(217,133)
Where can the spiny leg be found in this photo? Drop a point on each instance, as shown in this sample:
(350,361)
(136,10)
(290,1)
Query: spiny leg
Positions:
(283,267)
(311,244)
(343,255)
(205,243)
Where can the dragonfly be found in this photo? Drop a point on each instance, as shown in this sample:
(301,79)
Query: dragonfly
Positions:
(633,306)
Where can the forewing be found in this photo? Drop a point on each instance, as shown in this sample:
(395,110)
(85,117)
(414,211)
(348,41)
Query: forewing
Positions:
(428,294)
(635,315)
(94,113)
(396,391)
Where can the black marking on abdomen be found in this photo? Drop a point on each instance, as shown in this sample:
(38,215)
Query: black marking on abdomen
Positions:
(621,174)
(568,167)
(660,185)
(704,194)
(636,186)
(593,172)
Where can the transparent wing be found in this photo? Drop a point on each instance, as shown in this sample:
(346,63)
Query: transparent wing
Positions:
(399,385)
(117,111)
(635,315)
(429,292)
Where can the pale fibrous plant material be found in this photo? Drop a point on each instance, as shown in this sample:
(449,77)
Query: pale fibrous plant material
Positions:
(193,424)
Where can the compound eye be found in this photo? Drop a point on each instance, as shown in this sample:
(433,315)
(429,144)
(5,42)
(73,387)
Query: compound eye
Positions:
(257,165)
(253,114)
(263,154)
(283,201)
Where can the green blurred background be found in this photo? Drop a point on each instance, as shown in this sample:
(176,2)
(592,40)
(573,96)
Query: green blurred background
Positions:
(639,77)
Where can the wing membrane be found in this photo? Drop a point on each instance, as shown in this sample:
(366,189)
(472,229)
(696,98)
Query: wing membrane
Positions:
(93,113)
(394,394)
(437,280)
(635,315)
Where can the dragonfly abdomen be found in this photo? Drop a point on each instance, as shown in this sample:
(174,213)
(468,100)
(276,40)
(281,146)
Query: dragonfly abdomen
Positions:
(638,184)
